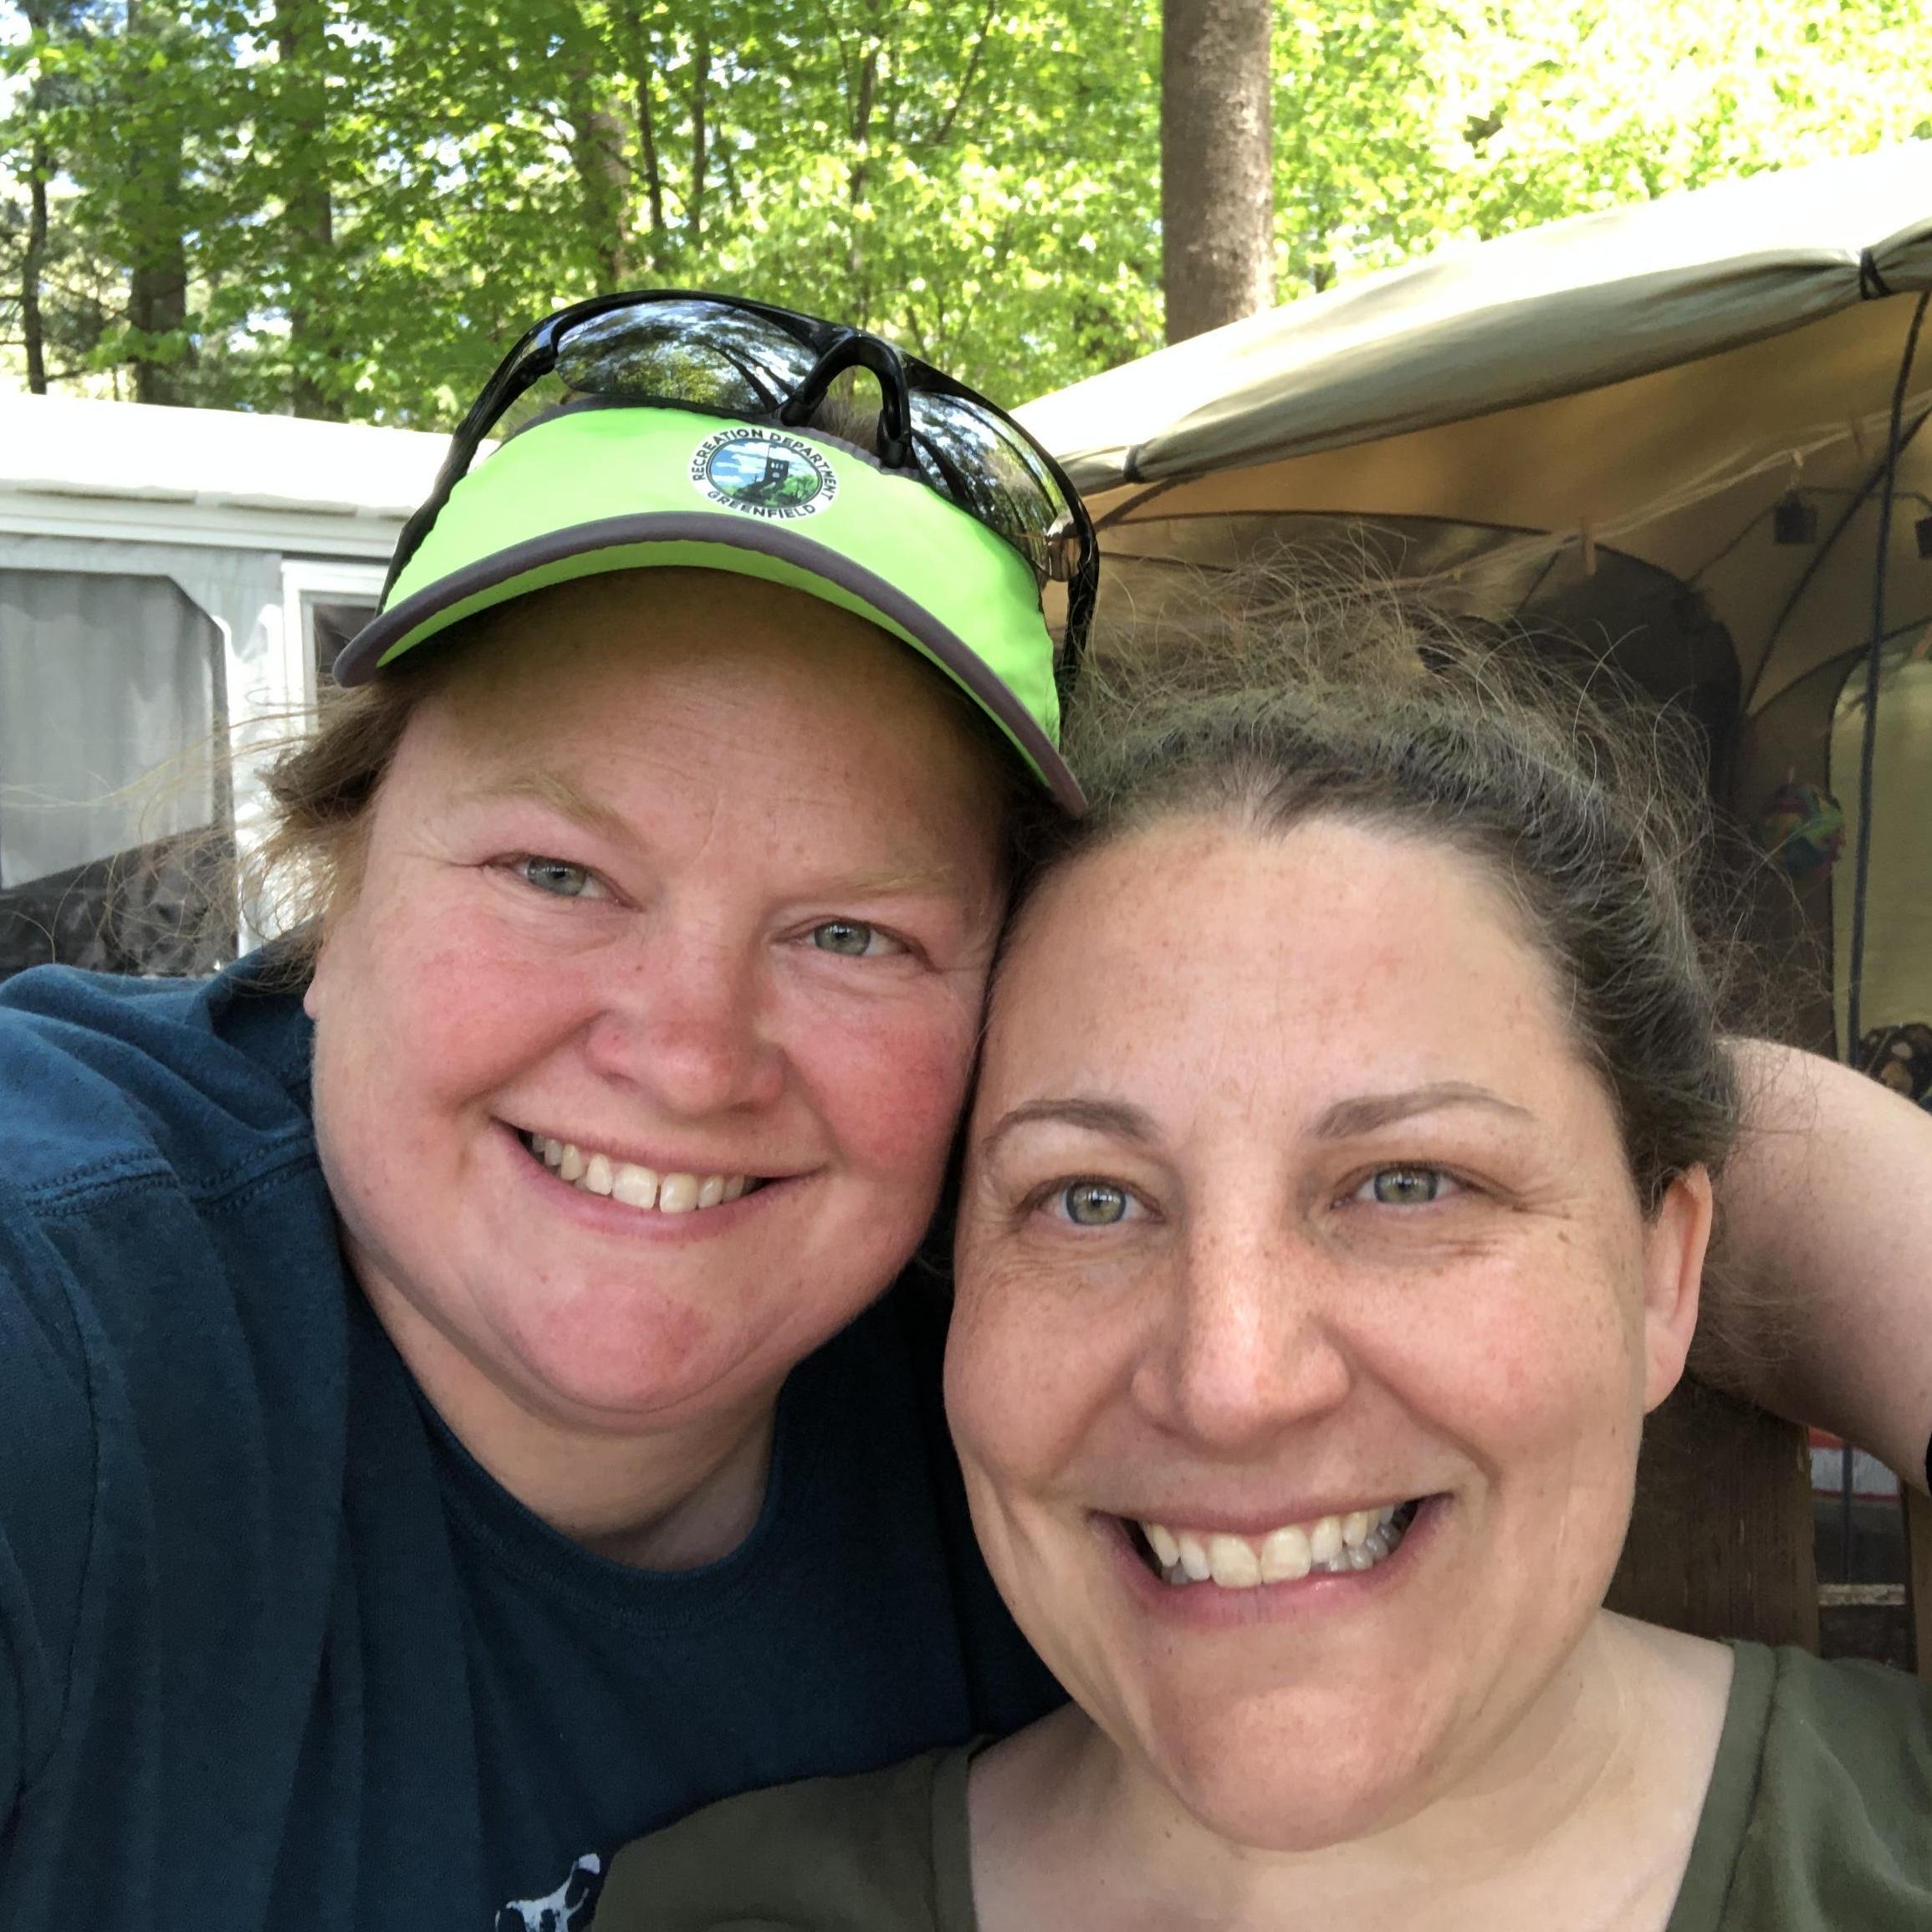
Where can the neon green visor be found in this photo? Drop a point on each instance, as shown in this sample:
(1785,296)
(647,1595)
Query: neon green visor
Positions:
(592,490)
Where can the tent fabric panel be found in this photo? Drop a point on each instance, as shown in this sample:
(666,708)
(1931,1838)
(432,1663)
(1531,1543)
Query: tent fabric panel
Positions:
(1680,468)
(1898,968)
(1544,313)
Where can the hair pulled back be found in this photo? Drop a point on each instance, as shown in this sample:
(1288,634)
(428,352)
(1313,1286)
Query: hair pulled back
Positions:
(1268,701)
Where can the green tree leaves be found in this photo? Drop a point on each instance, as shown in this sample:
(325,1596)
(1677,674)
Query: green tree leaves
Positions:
(1403,124)
(350,208)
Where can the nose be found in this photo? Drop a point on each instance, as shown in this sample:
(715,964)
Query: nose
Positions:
(1249,1347)
(686,1021)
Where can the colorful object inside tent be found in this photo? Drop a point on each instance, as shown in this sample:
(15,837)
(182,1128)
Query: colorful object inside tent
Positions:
(1803,828)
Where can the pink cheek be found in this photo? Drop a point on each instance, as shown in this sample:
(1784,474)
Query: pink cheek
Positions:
(893,1093)
(466,1018)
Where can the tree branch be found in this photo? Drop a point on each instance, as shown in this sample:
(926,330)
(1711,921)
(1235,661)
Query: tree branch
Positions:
(966,80)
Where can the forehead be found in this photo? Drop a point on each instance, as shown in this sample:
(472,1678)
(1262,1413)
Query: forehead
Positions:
(1282,969)
(666,686)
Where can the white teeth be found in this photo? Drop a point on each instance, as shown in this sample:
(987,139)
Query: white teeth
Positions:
(1232,1563)
(635,1187)
(1285,1556)
(1336,1545)
(1325,1540)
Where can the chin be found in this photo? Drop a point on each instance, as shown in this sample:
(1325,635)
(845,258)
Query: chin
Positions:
(1298,1782)
(1304,1812)
(619,1362)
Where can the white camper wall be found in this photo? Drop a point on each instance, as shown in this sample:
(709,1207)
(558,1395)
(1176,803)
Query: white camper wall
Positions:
(263,524)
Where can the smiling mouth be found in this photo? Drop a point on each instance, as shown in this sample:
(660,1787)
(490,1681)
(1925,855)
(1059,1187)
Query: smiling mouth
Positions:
(644,1189)
(1334,1546)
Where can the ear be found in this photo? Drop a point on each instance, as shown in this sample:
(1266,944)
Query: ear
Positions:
(1674,1242)
(312,993)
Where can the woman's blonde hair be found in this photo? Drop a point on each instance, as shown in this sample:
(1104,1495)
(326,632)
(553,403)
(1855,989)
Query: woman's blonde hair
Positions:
(321,785)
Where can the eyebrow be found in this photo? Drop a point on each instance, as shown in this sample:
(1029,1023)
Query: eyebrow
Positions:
(1367,1111)
(901,882)
(558,795)
(1342,1121)
(1100,1117)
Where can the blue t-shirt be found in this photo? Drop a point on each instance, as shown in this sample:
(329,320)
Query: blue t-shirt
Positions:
(274,1651)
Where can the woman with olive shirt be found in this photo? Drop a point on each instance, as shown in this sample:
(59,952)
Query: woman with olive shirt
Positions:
(398,1503)
(1315,1273)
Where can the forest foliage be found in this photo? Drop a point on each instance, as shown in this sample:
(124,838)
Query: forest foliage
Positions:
(349,207)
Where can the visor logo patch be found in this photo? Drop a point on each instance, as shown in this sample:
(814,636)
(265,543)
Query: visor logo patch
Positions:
(763,473)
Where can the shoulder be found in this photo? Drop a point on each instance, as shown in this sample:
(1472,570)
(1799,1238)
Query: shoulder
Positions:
(104,1080)
(1874,1722)
(1864,1728)
(1831,1776)
(172,1341)
(850,1854)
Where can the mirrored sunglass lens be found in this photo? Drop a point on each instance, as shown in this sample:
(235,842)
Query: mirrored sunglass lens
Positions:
(990,473)
(705,354)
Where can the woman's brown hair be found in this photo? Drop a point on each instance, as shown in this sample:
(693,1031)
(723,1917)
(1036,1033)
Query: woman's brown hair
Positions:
(1271,697)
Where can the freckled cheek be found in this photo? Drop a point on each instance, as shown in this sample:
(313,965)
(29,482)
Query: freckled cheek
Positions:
(1025,1377)
(1545,1374)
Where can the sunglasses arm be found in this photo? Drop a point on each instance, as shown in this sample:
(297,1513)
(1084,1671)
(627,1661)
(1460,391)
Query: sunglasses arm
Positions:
(857,350)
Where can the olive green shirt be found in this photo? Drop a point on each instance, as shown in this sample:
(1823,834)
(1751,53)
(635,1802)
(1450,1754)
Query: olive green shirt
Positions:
(1819,1815)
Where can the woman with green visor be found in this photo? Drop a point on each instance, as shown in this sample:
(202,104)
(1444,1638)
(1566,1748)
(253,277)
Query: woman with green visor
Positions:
(458,1413)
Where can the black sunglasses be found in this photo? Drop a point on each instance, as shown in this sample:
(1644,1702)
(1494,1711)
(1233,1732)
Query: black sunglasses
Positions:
(725,355)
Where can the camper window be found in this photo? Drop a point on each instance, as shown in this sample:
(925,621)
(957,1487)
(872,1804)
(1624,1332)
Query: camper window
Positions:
(104,678)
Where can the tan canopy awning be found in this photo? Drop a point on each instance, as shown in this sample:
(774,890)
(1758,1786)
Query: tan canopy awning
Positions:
(1625,396)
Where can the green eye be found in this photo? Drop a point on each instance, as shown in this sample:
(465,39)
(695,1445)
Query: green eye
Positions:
(1407,1187)
(848,937)
(1094,1203)
(557,877)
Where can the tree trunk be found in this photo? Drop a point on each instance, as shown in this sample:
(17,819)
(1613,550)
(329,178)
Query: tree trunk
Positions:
(1217,162)
(700,132)
(157,228)
(301,45)
(32,259)
(312,226)
(40,19)
(603,176)
(638,59)
(857,306)
(158,306)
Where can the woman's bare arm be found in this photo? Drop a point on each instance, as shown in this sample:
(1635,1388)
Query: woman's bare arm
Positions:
(1823,1282)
